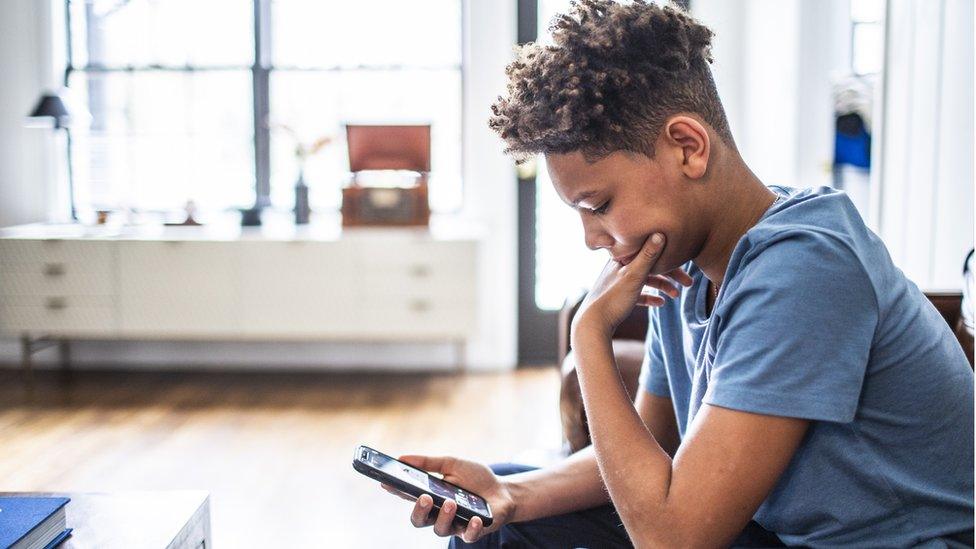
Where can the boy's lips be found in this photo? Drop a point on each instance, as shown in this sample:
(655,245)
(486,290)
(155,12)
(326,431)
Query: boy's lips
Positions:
(626,259)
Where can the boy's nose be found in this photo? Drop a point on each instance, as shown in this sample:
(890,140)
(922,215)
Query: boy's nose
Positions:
(596,240)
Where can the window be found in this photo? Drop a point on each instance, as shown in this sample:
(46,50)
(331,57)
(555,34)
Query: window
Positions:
(188,99)
(867,36)
(563,262)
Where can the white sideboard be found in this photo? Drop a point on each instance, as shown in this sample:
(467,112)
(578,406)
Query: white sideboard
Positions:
(400,285)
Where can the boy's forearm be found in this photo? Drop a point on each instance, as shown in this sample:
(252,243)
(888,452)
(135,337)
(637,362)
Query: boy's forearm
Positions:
(571,485)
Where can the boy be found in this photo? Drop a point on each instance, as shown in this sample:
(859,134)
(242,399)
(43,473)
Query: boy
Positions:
(796,379)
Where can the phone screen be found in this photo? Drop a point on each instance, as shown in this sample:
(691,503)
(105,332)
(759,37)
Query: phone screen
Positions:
(426,482)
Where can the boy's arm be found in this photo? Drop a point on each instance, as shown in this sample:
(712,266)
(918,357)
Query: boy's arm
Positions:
(753,418)
(575,484)
(703,495)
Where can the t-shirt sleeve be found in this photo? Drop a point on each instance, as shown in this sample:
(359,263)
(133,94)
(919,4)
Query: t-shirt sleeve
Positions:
(653,377)
(795,332)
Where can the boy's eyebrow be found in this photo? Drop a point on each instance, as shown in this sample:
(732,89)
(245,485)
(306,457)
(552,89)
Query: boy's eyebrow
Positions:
(582,196)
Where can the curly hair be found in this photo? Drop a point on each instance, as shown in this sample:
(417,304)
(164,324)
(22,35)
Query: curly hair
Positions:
(612,77)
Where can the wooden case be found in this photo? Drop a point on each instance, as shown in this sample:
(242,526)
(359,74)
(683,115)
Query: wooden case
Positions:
(387,148)
(385,206)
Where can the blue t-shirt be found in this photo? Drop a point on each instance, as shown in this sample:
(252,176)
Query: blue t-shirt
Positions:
(814,321)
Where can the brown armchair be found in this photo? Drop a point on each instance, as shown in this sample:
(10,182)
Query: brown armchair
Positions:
(628,350)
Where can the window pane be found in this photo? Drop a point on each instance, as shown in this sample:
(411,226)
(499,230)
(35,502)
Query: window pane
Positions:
(868,48)
(547,10)
(312,33)
(563,262)
(155,32)
(867,11)
(158,139)
(314,104)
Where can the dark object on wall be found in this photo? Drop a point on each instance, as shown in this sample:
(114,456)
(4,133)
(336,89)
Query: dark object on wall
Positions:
(387,148)
(628,349)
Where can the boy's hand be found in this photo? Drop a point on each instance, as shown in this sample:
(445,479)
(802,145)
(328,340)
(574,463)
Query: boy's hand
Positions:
(469,475)
(619,287)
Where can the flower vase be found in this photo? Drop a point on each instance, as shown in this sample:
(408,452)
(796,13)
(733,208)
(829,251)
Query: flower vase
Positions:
(302,209)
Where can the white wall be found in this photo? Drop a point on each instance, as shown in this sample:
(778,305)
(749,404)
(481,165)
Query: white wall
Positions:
(29,53)
(926,171)
(27,156)
(491,192)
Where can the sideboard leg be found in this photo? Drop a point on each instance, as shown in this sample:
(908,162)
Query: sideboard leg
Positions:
(461,349)
(64,356)
(26,360)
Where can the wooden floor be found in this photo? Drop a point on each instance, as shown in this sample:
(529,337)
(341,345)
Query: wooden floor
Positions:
(273,450)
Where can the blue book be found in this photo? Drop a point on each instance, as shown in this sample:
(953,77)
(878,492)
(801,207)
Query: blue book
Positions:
(32,522)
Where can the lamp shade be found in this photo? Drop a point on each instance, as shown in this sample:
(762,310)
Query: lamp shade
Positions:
(50,105)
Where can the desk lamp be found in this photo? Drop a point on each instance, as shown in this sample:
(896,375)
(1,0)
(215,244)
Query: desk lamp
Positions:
(50,105)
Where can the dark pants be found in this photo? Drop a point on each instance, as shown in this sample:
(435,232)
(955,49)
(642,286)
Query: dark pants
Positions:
(599,527)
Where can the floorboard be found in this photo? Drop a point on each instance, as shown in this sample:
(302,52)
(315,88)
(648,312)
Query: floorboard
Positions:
(273,450)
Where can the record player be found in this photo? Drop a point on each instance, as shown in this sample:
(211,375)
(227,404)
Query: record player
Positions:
(390,166)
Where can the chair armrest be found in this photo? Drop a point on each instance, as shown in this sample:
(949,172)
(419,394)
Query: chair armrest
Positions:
(949,305)
(634,327)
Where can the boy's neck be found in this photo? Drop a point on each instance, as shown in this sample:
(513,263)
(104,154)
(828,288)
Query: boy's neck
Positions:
(740,200)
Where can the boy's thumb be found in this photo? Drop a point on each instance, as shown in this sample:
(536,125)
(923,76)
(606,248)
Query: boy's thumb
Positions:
(651,249)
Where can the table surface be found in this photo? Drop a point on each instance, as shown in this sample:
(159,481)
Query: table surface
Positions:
(131,519)
(228,228)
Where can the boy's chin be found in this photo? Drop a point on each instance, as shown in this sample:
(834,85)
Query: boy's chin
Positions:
(664,266)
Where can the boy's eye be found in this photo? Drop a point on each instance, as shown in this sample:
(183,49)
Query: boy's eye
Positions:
(602,209)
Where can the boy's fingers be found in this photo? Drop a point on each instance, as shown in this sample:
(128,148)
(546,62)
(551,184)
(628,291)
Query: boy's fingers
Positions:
(473,531)
(421,511)
(663,284)
(444,526)
(428,463)
(681,277)
(648,300)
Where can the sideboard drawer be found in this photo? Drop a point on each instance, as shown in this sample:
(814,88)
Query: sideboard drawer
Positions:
(64,280)
(448,255)
(82,315)
(180,288)
(297,288)
(407,316)
(34,255)
(434,284)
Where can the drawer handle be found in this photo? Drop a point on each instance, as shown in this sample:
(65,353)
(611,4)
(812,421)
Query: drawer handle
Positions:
(419,305)
(420,271)
(54,269)
(56,303)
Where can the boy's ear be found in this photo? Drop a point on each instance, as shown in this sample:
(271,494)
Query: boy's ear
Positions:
(689,140)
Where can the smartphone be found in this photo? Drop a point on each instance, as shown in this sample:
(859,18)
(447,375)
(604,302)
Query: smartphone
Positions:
(415,482)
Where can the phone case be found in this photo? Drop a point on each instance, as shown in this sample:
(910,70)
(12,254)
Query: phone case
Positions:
(462,513)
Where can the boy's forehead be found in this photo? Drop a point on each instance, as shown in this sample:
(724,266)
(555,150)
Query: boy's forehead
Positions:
(574,178)
(568,162)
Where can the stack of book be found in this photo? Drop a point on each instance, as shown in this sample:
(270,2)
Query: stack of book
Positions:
(32,522)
